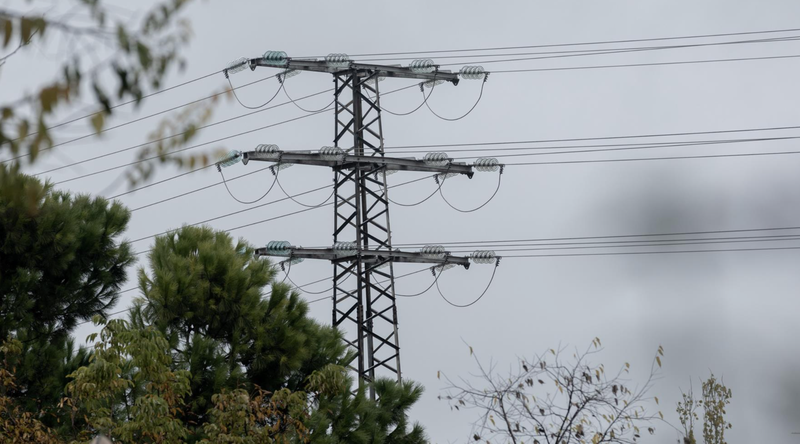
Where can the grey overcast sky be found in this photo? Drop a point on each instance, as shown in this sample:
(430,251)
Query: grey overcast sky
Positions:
(735,313)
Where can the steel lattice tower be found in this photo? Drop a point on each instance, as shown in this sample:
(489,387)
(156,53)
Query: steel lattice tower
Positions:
(362,234)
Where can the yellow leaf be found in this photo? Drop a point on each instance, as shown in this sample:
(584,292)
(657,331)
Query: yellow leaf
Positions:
(97,122)
(553,351)
(491,418)
(656,398)
(438,374)
(661,415)
(8,28)
(25,29)
(658,359)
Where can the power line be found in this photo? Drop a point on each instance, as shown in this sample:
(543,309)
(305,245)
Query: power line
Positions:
(590,52)
(606,147)
(173,152)
(67,122)
(231,119)
(636,65)
(281,216)
(139,119)
(589,43)
(779,39)
(626,253)
(615,236)
(585,139)
(626,50)
(495,155)
(296,287)
(528,247)
(198,145)
(644,159)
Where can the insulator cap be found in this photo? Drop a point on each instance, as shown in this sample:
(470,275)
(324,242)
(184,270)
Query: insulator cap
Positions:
(442,268)
(345,248)
(287,74)
(331,153)
(432,83)
(275,58)
(337,60)
(279,248)
(278,167)
(436,158)
(422,65)
(441,177)
(486,164)
(237,65)
(231,159)
(472,73)
(375,79)
(483,257)
(433,251)
(267,148)
(291,261)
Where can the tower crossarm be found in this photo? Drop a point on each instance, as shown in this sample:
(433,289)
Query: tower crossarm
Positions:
(367,256)
(348,161)
(378,70)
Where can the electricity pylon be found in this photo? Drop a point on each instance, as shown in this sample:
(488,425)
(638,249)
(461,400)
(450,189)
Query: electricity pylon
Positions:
(362,235)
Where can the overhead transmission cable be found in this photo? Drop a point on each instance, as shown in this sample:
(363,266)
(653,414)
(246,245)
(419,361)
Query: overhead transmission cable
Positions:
(139,119)
(625,253)
(615,236)
(585,139)
(247,202)
(560,55)
(475,301)
(183,133)
(529,247)
(236,96)
(333,191)
(424,52)
(453,119)
(499,179)
(587,43)
(637,65)
(265,204)
(67,122)
(590,52)
(198,145)
(173,152)
(294,102)
(649,144)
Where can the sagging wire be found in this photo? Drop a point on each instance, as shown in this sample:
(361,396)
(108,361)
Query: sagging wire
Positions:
(424,98)
(236,96)
(233,158)
(499,179)
(282,80)
(286,266)
(441,268)
(494,272)
(439,188)
(298,202)
(485,78)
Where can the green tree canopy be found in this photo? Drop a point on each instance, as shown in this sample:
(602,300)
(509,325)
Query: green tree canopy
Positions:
(62,261)
(206,293)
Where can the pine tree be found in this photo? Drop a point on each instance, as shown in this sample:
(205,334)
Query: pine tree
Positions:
(61,262)
(204,292)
